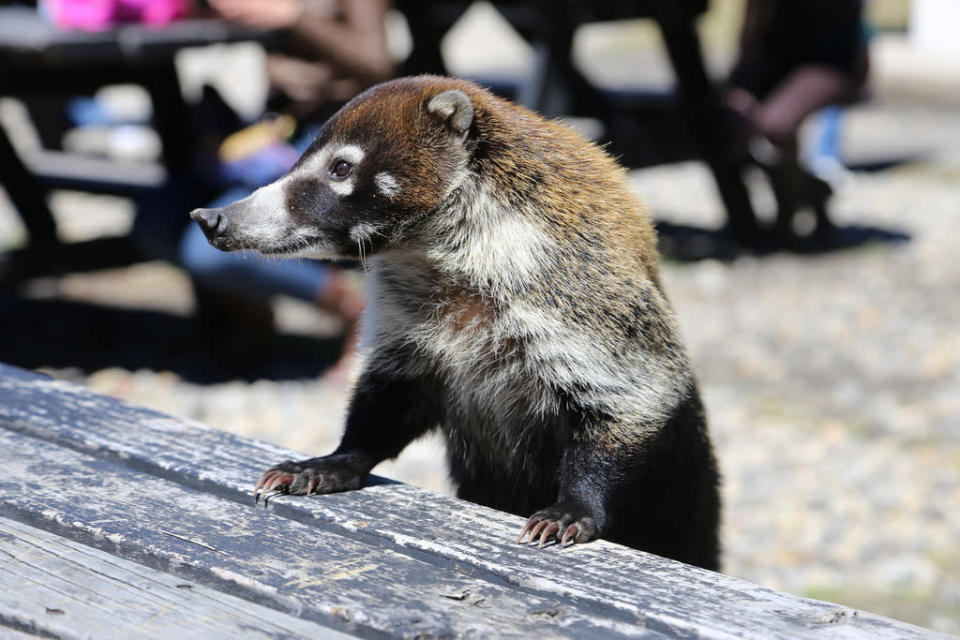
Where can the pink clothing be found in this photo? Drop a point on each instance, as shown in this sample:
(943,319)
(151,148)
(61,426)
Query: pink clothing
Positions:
(98,15)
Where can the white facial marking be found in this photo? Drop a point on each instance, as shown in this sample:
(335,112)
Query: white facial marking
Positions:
(343,187)
(387,184)
(315,252)
(269,220)
(349,152)
(319,164)
(266,227)
(362,231)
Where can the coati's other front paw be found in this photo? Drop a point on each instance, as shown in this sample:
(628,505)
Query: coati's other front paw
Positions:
(316,475)
(563,523)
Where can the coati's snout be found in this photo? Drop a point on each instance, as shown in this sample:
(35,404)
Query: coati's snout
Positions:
(377,168)
(212,222)
(289,218)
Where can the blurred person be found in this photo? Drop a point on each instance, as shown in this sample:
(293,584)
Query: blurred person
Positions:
(334,50)
(796,57)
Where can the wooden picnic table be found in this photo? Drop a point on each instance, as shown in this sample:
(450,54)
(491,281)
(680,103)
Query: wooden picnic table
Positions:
(39,60)
(118,521)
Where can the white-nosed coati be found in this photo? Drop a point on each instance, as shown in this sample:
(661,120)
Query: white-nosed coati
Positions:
(514,303)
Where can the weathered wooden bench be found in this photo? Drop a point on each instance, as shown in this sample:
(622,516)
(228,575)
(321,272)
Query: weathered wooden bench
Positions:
(117,521)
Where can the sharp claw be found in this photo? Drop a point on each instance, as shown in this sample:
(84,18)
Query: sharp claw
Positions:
(535,533)
(523,534)
(268,495)
(272,482)
(549,530)
(571,531)
(262,488)
(312,485)
(267,476)
(527,529)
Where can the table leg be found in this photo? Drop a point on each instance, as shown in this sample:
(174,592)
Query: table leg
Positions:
(171,116)
(27,196)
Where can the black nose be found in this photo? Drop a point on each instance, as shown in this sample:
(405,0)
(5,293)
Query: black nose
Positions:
(211,221)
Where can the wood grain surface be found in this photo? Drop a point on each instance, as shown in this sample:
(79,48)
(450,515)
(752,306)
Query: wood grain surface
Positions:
(174,499)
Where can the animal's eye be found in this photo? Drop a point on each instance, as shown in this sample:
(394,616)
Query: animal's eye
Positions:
(340,169)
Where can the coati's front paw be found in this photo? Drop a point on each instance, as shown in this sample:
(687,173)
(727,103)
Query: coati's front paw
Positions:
(316,475)
(563,522)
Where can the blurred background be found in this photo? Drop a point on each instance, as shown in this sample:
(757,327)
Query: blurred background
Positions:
(811,259)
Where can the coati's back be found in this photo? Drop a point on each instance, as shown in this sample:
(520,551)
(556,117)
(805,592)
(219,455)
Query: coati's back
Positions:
(515,303)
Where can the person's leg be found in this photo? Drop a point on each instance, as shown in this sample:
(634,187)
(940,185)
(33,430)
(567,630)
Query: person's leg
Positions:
(786,180)
(778,118)
(802,92)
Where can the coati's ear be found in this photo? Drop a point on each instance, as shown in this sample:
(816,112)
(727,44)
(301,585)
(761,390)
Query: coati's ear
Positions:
(455,108)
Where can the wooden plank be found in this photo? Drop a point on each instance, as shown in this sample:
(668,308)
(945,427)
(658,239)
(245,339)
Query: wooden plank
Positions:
(54,587)
(9,633)
(249,552)
(663,595)
(60,170)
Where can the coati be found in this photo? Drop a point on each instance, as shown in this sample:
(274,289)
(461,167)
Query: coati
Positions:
(514,303)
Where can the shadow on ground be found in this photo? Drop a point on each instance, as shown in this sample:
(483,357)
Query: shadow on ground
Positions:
(685,243)
(64,334)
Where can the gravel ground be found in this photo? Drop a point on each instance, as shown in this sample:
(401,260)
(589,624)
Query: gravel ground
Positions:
(831,381)
(832,385)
